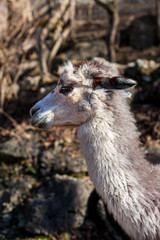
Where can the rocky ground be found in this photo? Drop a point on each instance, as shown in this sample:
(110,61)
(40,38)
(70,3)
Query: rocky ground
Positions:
(45,190)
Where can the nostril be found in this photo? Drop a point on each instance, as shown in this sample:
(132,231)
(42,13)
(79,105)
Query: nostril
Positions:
(34,110)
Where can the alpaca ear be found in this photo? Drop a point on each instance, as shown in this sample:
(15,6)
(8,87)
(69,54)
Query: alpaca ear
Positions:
(118,82)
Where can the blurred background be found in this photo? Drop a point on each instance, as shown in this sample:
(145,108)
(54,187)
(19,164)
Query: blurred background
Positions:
(45,190)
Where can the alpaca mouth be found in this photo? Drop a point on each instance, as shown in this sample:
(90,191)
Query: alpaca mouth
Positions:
(37,122)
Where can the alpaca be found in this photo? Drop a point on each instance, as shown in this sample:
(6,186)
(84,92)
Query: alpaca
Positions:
(91,97)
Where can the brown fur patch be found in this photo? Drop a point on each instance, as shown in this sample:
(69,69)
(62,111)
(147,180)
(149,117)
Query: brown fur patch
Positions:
(97,81)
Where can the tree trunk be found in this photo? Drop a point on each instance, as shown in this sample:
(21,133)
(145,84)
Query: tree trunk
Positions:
(112,8)
(113,33)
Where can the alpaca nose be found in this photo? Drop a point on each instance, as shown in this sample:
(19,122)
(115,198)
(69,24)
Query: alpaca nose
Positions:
(34,110)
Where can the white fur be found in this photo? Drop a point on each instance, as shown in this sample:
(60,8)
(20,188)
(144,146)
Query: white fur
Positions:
(127,183)
(107,169)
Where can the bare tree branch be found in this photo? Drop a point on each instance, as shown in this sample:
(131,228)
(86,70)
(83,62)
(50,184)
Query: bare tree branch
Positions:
(58,44)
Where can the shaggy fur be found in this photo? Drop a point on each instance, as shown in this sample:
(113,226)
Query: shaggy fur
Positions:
(86,97)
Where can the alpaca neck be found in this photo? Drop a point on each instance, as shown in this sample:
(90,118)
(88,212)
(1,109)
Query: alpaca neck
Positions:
(106,150)
(109,153)
(107,158)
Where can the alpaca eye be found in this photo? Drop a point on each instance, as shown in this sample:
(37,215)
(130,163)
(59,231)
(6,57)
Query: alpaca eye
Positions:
(66,89)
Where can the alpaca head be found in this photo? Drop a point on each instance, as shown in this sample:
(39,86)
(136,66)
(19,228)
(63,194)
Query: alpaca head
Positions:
(79,90)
